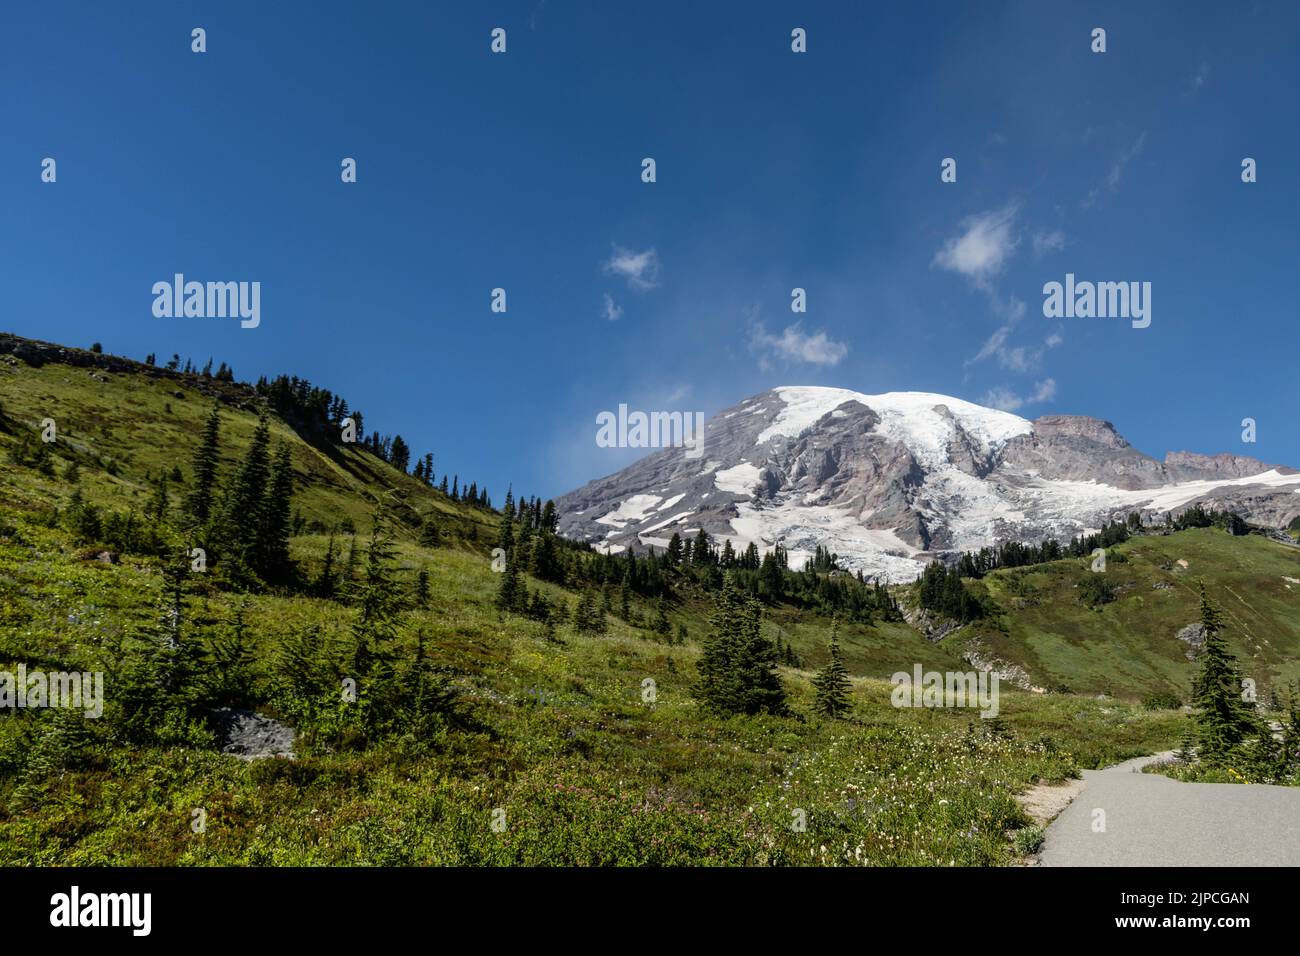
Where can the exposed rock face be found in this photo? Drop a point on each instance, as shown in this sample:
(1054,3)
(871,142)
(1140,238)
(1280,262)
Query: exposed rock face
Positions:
(887,481)
(1194,636)
(249,735)
(1189,466)
(1077,448)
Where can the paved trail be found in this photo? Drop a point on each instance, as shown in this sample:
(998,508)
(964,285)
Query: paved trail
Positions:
(1152,820)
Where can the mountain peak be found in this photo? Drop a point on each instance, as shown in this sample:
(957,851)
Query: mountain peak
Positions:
(889,480)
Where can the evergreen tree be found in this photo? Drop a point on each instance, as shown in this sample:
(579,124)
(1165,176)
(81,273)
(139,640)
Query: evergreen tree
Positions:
(379,602)
(399,454)
(737,667)
(662,626)
(273,532)
(675,549)
(506,534)
(832,681)
(625,598)
(429,531)
(324,586)
(701,554)
(1223,720)
(199,503)
(349,570)
(244,505)
(422,588)
(232,659)
(157,506)
(511,591)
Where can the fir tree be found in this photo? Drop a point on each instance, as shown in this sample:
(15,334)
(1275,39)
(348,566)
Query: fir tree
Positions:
(737,667)
(511,591)
(701,554)
(625,597)
(157,506)
(429,536)
(273,532)
(244,505)
(199,503)
(324,586)
(232,659)
(832,681)
(349,576)
(1223,719)
(661,625)
(379,603)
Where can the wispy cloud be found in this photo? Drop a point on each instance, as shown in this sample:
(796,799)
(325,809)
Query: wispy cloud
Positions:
(1200,76)
(1017,358)
(982,247)
(1004,399)
(537,12)
(1111,183)
(640,269)
(795,345)
(1045,243)
(613,311)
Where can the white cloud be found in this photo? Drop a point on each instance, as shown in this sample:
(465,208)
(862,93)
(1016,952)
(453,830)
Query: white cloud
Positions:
(1202,74)
(1053,340)
(1006,400)
(982,247)
(640,269)
(613,311)
(1047,242)
(795,345)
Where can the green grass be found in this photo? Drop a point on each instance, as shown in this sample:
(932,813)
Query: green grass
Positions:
(585,770)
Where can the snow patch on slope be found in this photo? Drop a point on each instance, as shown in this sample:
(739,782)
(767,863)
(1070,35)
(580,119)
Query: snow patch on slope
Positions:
(909,418)
(800,528)
(634,508)
(739,480)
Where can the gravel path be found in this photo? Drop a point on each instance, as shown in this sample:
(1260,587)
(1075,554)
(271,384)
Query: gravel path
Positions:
(1151,820)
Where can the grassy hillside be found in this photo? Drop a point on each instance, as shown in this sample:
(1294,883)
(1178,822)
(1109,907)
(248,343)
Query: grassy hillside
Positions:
(544,750)
(130,426)
(1128,646)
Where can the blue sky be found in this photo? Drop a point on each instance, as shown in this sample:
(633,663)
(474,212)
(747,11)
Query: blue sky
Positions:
(775,170)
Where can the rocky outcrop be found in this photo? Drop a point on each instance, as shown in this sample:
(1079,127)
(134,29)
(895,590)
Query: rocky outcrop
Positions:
(1193,635)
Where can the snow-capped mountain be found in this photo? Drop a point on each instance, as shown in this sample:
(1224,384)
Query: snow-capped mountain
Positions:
(887,481)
